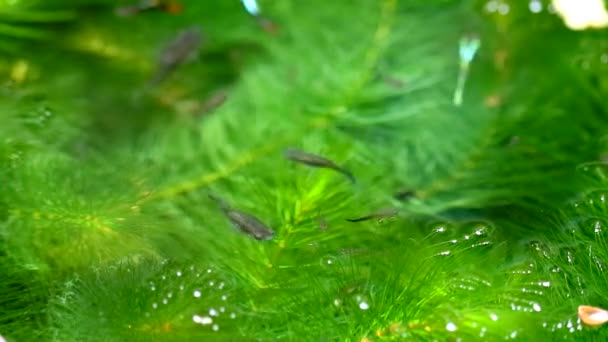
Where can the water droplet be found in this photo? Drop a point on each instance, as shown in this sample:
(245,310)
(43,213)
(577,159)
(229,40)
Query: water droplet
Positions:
(535,6)
(363,305)
(154,305)
(164,277)
(513,334)
(165,301)
(213,312)
(222,309)
(232,315)
(197,293)
(604,58)
(178,273)
(337,302)
(494,317)
(169,295)
(215,327)
(211,283)
(224,297)
(539,249)
(444,253)
(536,307)
(152,288)
(209,270)
(221,285)
(451,327)
(181,287)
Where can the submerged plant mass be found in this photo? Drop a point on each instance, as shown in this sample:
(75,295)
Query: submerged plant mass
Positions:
(389,170)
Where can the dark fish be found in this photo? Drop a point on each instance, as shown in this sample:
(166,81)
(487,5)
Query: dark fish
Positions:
(382,214)
(245,222)
(322,221)
(148,5)
(316,161)
(177,52)
(404,195)
(214,102)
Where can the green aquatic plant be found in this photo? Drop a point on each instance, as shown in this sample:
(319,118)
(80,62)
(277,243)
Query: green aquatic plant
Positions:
(479,215)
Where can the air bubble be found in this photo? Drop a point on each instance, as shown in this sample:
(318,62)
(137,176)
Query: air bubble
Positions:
(197,293)
(535,6)
(152,288)
(363,305)
(593,227)
(178,273)
(154,305)
(181,287)
(536,307)
(327,261)
(568,254)
(451,327)
(337,302)
(215,327)
(165,301)
(213,312)
(222,309)
(503,8)
(539,249)
(604,58)
(211,283)
(209,270)
(224,297)
(494,317)
(221,285)
(204,320)
(169,295)
(232,315)
(492,6)
(164,277)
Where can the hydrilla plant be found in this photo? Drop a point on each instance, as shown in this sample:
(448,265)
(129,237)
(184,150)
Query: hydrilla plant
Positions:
(108,232)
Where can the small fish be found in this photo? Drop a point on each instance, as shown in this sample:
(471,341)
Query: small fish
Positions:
(172,7)
(404,195)
(382,214)
(322,221)
(592,316)
(245,222)
(213,102)
(177,52)
(316,161)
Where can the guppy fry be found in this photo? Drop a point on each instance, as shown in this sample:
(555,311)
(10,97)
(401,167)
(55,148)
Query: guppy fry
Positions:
(245,222)
(382,214)
(316,161)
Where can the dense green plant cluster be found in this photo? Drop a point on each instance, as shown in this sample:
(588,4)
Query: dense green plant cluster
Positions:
(108,233)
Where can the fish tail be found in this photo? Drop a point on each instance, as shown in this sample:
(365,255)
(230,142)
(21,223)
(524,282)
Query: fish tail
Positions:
(347,173)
